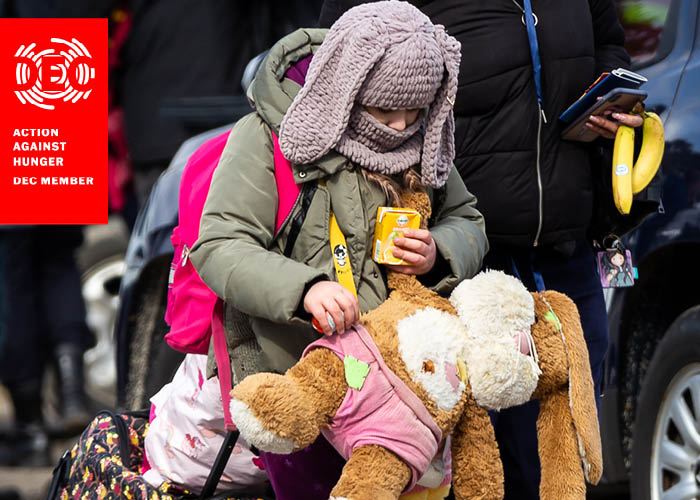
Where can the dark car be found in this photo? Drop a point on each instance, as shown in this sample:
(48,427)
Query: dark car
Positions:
(650,414)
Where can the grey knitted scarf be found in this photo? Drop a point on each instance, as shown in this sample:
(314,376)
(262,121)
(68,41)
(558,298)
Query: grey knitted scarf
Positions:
(388,55)
(380,148)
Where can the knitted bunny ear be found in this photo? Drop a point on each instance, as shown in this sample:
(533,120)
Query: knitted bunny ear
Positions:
(320,111)
(439,142)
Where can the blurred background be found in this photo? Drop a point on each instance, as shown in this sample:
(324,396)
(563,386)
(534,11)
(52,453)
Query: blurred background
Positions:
(178,70)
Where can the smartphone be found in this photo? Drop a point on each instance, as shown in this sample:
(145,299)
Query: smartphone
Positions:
(622,99)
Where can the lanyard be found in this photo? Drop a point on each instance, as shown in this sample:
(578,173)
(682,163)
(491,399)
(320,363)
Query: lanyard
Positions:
(341,259)
(529,20)
(536,274)
(339,251)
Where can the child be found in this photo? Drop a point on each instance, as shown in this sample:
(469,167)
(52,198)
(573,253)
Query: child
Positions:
(362,112)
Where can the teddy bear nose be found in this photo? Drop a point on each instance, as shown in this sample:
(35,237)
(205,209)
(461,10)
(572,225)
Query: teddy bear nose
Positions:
(521,341)
(428,366)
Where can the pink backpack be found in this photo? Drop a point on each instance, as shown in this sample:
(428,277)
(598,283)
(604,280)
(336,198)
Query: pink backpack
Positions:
(193,311)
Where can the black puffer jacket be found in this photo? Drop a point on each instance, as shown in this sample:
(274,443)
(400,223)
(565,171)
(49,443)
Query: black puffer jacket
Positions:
(497,114)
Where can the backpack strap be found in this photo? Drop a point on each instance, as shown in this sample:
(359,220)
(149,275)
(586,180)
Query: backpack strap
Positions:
(223,362)
(289,193)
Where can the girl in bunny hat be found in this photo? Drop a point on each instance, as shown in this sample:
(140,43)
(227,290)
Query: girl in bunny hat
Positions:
(363,111)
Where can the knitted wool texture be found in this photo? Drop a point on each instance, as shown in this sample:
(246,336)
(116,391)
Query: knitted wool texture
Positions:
(378,147)
(387,55)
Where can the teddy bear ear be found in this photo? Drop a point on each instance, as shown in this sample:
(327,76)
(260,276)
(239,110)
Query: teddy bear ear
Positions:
(581,395)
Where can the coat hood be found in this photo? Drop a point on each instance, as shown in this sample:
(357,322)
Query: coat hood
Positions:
(270,92)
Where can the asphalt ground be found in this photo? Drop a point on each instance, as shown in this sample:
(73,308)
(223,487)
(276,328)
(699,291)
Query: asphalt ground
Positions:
(32,482)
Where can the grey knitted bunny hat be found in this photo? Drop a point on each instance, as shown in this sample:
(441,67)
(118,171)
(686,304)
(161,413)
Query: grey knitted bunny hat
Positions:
(384,54)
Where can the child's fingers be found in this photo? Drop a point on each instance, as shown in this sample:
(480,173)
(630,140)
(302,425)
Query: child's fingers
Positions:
(419,234)
(354,306)
(347,302)
(414,245)
(407,256)
(319,313)
(337,318)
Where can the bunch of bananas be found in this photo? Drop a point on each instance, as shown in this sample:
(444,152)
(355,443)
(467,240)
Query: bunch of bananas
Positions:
(628,180)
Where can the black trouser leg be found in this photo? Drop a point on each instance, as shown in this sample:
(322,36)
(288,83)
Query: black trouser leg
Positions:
(28,445)
(64,312)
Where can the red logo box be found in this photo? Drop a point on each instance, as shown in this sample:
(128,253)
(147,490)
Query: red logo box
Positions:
(53,121)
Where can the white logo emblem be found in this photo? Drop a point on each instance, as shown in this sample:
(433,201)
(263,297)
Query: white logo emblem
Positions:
(340,253)
(63,72)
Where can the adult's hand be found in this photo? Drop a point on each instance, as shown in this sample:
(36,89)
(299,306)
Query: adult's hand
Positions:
(607,125)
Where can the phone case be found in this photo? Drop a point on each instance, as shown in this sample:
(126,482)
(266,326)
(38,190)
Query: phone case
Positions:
(606,82)
(621,98)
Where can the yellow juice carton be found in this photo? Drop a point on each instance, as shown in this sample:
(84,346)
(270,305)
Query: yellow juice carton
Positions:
(392,222)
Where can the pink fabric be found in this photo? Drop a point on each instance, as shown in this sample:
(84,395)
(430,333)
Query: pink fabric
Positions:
(223,363)
(384,412)
(287,189)
(146,466)
(190,301)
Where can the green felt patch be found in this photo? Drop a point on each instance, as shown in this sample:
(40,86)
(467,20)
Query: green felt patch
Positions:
(355,372)
(552,318)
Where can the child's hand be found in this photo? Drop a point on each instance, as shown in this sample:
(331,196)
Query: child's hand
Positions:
(417,248)
(330,297)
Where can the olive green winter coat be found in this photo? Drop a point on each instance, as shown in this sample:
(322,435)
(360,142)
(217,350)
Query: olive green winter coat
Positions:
(241,259)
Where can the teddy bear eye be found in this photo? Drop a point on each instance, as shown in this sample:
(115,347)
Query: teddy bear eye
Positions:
(428,366)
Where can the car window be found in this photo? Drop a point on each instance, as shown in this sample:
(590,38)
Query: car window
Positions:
(644,22)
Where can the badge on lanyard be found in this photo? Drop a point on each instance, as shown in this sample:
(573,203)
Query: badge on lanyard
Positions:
(615,265)
(343,269)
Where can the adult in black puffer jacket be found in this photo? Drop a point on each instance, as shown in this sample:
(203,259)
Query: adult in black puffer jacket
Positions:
(534,190)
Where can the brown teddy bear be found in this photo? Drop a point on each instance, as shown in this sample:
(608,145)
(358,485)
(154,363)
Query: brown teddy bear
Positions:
(410,384)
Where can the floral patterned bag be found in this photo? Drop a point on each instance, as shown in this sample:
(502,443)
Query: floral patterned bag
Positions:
(106,462)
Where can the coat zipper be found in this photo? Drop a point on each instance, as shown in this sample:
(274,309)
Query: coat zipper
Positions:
(540,114)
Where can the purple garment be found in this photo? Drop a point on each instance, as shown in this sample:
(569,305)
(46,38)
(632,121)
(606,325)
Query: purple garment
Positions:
(310,473)
(297,71)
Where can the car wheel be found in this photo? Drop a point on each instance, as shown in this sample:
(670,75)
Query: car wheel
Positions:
(100,286)
(666,445)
